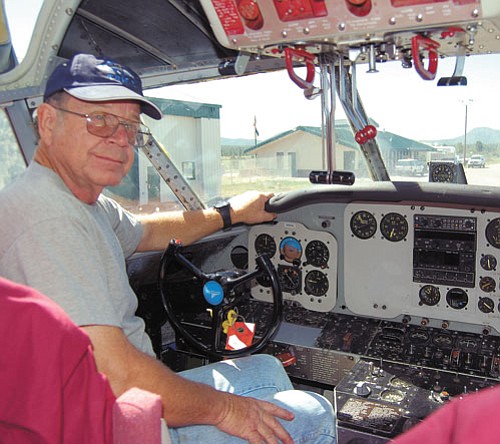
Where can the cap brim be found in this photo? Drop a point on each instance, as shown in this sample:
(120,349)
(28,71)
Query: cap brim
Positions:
(105,93)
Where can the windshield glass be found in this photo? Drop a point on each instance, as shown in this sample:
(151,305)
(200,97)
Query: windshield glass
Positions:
(260,132)
(21,15)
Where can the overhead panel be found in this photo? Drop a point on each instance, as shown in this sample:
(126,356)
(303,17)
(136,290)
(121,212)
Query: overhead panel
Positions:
(266,26)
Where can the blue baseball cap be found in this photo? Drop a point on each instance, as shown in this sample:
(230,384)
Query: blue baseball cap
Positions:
(93,79)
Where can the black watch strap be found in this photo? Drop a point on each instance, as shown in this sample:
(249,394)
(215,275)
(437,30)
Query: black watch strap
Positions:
(224,209)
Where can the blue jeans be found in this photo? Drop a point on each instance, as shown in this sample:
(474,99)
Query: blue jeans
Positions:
(261,377)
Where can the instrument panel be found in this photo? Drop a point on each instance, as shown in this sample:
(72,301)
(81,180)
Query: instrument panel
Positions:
(422,261)
(397,252)
(305,260)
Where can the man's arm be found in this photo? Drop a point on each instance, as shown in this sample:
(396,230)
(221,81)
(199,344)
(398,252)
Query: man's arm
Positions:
(185,402)
(190,226)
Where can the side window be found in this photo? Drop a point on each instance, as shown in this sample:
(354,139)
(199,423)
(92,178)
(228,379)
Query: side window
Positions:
(143,191)
(11,160)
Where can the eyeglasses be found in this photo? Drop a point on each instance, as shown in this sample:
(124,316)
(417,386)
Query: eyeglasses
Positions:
(103,124)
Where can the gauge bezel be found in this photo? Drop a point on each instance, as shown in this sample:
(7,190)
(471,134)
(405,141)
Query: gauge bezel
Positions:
(394,227)
(442,172)
(318,288)
(317,253)
(260,248)
(492,232)
(358,229)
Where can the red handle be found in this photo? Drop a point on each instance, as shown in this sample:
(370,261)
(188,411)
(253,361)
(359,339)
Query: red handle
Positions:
(308,58)
(417,42)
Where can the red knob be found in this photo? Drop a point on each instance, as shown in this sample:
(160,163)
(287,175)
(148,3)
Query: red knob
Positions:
(370,131)
(360,137)
(359,7)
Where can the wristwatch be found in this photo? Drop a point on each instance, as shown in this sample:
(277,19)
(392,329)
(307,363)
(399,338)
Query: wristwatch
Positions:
(224,209)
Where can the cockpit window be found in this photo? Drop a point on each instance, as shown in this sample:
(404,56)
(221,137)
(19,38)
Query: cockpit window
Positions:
(262,132)
(231,135)
(11,161)
(21,16)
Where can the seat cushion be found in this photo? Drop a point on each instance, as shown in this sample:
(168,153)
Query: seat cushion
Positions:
(136,418)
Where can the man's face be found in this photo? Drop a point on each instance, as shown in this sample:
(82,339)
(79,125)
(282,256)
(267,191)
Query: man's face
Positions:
(88,163)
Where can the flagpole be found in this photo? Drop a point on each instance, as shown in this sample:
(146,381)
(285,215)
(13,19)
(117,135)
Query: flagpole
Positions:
(255,131)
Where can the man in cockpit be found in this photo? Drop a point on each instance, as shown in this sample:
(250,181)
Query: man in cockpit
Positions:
(62,236)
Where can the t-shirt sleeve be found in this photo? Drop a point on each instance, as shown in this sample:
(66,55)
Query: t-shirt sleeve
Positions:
(126,226)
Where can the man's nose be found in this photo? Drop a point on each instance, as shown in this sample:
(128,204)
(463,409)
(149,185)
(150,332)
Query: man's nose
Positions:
(121,135)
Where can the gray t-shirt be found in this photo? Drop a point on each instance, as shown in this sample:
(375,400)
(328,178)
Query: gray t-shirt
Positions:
(71,251)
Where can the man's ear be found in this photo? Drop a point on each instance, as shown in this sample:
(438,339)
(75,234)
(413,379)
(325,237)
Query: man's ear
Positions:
(46,116)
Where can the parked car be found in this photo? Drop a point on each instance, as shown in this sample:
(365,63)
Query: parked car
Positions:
(453,159)
(411,167)
(476,160)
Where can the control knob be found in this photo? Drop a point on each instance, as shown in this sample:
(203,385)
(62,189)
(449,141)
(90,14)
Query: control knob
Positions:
(362,389)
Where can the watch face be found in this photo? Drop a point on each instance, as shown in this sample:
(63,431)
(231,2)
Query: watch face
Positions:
(221,204)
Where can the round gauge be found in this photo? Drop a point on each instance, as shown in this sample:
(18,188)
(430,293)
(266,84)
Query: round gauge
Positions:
(363,224)
(290,250)
(316,283)
(392,395)
(487,284)
(467,344)
(264,280)
(488,262)
(394,227)
(457,298)
(317,254)
(486,305)
(264,244)
(442,172)
(401,383)
(419,336)
(493,232)
(290,278)
(239,257)
(429,295)
(443,340)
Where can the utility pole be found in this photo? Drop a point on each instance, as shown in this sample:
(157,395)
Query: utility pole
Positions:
(466,102)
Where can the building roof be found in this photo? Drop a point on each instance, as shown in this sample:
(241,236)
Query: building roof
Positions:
(170,107)
(399,143)
(345,137)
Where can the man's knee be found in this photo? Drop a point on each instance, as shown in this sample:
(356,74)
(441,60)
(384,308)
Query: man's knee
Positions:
(259,365)
(314,416)
(268,361)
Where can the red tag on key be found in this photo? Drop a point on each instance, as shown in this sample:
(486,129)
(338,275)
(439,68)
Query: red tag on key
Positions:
(240,335)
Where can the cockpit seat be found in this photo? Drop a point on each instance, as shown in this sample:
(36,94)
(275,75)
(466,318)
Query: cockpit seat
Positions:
(51,389)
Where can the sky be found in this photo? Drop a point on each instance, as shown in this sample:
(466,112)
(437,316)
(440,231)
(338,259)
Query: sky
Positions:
(396,98)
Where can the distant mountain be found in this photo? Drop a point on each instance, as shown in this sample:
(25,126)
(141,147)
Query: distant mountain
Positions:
(484,135)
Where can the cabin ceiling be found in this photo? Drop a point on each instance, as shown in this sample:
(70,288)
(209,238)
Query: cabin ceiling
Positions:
(151,36)
(157,33)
